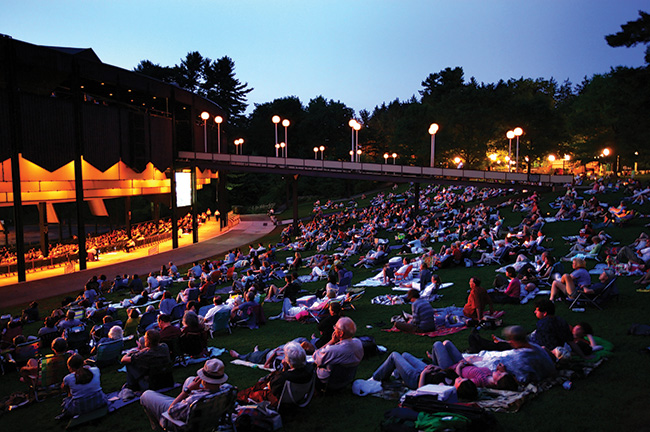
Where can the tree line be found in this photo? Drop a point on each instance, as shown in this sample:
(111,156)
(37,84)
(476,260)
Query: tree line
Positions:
(604,110)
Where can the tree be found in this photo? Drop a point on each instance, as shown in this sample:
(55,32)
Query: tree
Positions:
(214,80)
(633,33)
(162,73)
(221,86)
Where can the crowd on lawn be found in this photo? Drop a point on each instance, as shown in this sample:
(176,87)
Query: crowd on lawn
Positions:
(232,291)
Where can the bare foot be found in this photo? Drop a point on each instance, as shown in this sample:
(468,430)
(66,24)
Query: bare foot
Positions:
(234,354)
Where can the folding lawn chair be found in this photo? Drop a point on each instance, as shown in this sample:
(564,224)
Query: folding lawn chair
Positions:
(582,298)
(295,394)
(205,414)
(51,371)
(347,302)
(109,353)
(221,321)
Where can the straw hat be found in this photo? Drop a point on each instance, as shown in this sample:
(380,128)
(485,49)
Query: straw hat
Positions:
(213,372)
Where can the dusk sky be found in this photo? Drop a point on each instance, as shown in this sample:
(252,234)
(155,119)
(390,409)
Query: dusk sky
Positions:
(361,53)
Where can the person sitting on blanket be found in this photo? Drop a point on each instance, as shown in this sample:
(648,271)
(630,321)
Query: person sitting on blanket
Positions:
(114,333)
(211,379)
(387,274)
(290,289)
(343,349)
(477,300)
(512,284)
(429,291)
(152,356)
(55,362)
(269,388)
(423,318)
(84,389)
(552,331)
(371,257)
(566,286)
(326,325)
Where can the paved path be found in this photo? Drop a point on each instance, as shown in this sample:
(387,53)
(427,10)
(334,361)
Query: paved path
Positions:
(53,282)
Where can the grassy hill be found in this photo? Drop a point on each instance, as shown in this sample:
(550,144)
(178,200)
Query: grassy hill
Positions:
(613,398)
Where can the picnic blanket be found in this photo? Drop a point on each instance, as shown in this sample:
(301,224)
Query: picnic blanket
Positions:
(436,333)
(512,401)
(251,365)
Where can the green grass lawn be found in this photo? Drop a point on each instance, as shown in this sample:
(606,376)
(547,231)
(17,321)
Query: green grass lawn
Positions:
(613,398)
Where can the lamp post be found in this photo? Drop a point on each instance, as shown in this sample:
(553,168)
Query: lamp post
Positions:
(239,142)
(315,153)
(277,149)
(283,146)
(493,158)
(352,123)
(432,131)
(518,132)
(322,152)
(551,159)
(510,135)
(636,162)
(386,156)
(276,119)
(357,126)
(286,124)
(394,155)
(565,159)
(606,152)
(205,116)
(218,120)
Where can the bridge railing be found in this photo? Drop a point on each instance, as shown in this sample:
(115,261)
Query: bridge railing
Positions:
(374,168)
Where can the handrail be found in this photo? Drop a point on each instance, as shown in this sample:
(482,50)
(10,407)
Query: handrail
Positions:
(407,171)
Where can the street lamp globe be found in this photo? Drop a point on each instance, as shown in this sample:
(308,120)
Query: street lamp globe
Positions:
(551,158)
(275,119)
(218,119)
(286,123)
(518,131)
(321,148)
(510,134)
(205,115)
(606,152)
(433,128)
(457,160)
(493,157)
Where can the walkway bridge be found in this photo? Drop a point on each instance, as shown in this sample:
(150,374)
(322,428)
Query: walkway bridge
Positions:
(371,171)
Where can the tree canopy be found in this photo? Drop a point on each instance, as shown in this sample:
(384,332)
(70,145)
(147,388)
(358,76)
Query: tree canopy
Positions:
(633,33)
(214,80)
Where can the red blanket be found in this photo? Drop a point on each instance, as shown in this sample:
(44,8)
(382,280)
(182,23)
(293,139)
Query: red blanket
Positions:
(440,332)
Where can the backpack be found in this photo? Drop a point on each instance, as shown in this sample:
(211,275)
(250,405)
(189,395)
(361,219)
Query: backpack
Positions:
(369,346)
